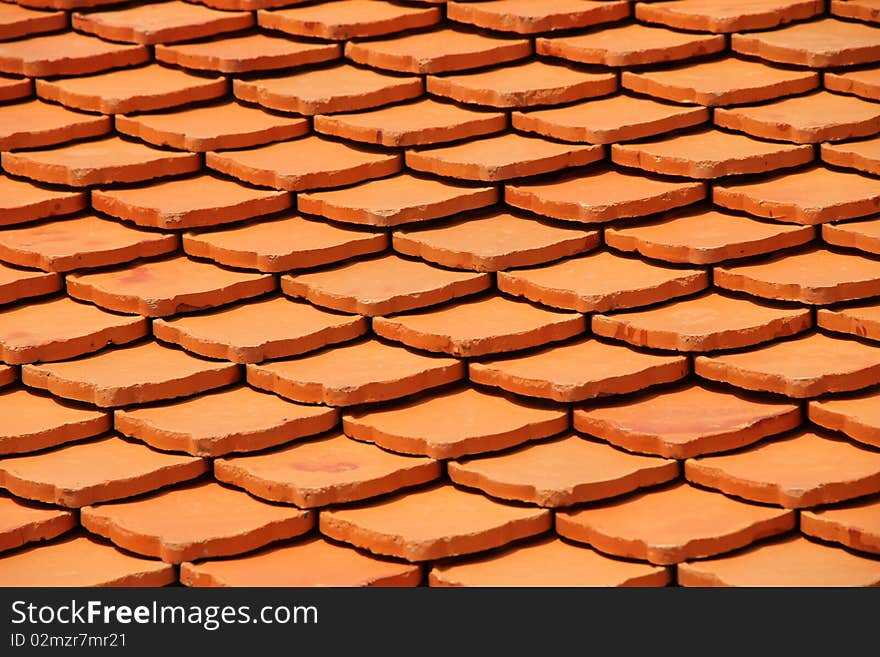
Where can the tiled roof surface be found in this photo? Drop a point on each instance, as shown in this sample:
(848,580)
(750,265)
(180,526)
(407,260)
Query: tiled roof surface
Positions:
(505,292)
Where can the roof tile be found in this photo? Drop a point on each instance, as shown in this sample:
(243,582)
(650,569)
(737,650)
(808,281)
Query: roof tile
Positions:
(67,53)
(18,284)
(242,5)
(726,15)
(864,83)
(862,155)
(33,123)
(865,10)
(855,525)
(861,235)
(856,416)
(16,21)
(22,201)
(533,16)
(15,88)
(862,320)
(28,523)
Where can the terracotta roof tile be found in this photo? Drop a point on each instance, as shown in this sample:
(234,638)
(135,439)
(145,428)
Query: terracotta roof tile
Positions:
(860,320)
(687,421)
(8,375)
(438,522)
(484,423)
(728,81)
(67,53)
(532,16)
(81,561)
(349,19)
(28,523)
(726,15)
(34,421)
(242,5)
(311,562)
(792,562)
(523,85)
(143,89)
(374,371)
(330,470)
(437,51)
(803,367)
(130,375)
(16,21)
(854,525)
(250,52)
(611,119)
(383,285)
(424,121)
(397,200)
(630,45)
(817,44)
(22,201)
(65,4)
(195,522)
(492,242)
(580,370)
(62,328)
(17,284)
(562,472)
(189,203)
(862,155)
(866,10)
(15,88)
(340,88)
(855,416)
(33,124)
(273,328)
(219,423)
(601,281)
(96,471)
(864,83)
(705,236)
(862,235)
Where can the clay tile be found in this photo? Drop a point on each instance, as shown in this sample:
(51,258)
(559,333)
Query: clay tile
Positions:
(242,54)
(291,242)
(862,235)
(855,525)
(687,421)
(330,470)
(15,88)
(397,200)
(817,44)
(166,287)
(704,236)
(250,333)
(862,320)
(232,420)
(437,51)
(858,417)
(189,203)
(373,372)
(483,423)
(727,15)
(143,89)
(439,522)
(672,525)
(62,328)
(78,243)
(244,5)
(349,19)
(338,89)
(65,4)
(601,281)
(803,367)
(22,201)
(17,284)
(312,562)
(562,472)
(726,81)
(424,121)
(33,124)
(130,375)
(493,242)
(608,120)
(792,562)
(549,562)
(28,523)
(99,162)
(865,10)
(501,158)
(96,471)
(602,195)
(710,153)
(813,196)
(195,522)
(81,561)
(8,374)
(383,285)
(815,276)
(17,22)
(532,16)
(306,163)
(865,83)
(32,422)
(862,155)
(798,471)
(67,53)
(816,117)
(578,371)
(213,127)
(523,85)
(705,323)
(630,45)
